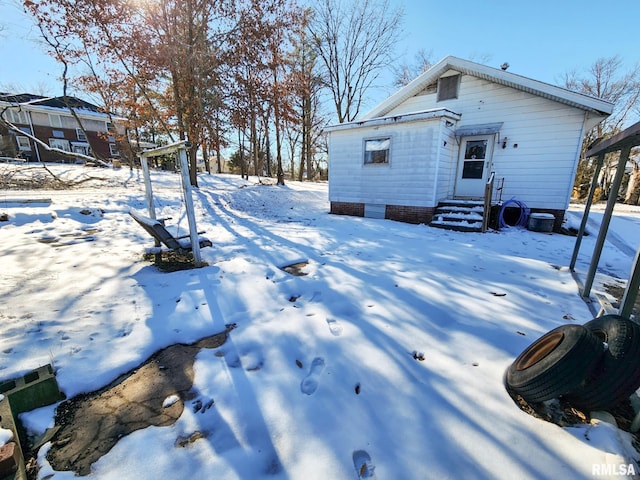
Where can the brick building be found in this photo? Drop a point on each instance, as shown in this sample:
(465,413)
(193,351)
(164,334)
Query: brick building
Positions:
(51,120)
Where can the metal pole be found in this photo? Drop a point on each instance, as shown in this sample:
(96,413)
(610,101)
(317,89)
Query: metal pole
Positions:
(604,227)
(186,189)
(587,209)
(631,292)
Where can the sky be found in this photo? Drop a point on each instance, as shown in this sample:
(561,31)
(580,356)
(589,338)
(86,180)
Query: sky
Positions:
(542,42)
(390,351)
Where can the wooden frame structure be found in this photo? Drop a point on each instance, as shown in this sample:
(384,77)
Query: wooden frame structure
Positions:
(623,143)
(180,150)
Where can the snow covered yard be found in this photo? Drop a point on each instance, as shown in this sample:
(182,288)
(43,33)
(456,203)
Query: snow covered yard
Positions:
(322,370)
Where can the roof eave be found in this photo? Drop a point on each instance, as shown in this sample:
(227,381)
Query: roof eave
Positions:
(395,119)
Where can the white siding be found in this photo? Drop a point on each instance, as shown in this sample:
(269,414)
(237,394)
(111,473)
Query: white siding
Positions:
(408,178)
(548,134)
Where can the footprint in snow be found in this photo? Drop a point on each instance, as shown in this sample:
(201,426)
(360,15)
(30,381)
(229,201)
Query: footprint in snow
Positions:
(334,327)
(363,464)
(310,383)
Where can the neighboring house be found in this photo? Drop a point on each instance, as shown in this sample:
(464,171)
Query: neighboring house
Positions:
(51,121)
(443,135)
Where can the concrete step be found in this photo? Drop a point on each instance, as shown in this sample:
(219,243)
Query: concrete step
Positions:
(460,215)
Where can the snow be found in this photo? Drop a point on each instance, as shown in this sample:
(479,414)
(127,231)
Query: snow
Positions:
(319,373)
(6,436)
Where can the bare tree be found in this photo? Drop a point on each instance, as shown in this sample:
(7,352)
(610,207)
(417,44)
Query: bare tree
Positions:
(355,43)
(404,73)
(606,79)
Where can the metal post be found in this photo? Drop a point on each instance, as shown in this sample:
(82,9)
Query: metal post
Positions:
(604,227)
(587,209)
(631,292)
(186,189)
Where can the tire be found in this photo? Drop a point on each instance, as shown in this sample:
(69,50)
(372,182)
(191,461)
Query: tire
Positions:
(618,374)
(555,364)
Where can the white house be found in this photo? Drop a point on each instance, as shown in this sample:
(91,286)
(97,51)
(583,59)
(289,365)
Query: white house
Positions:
(443,135)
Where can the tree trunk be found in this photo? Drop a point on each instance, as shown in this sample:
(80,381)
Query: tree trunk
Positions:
(633,189)
(205,156)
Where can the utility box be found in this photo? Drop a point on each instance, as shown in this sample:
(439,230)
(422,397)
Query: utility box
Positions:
(541,222)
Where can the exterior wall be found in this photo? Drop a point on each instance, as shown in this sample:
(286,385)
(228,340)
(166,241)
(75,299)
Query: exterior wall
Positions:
(543,140)
(408,179)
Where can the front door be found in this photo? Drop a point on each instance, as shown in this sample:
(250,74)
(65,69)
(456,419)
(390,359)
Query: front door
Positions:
(474,164)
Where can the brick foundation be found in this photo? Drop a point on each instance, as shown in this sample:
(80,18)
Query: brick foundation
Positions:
(347,208)
(402,213)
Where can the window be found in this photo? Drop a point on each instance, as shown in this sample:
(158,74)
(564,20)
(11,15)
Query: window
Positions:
(81,136)
(61,144)
(113,150)
(448,87)
(23,143)
(16,116)
(57,133)
(377,150)
(55,120)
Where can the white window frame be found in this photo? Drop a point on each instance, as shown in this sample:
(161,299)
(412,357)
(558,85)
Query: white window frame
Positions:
(371,148)
(60,144)
(17,116)
(55,120)
(113,150)
(80,134)
(24,145)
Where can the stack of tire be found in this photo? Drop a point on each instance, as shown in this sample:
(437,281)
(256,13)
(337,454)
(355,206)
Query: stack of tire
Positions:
(594,366)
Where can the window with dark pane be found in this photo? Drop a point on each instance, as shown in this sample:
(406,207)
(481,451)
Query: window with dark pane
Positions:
(476,149)
(448,87)
(474,155)
(376,150)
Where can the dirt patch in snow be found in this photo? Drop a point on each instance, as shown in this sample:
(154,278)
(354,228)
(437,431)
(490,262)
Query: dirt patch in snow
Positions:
(89,425)
(170,261)
(563,414)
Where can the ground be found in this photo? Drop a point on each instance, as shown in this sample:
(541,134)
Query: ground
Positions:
(382,351)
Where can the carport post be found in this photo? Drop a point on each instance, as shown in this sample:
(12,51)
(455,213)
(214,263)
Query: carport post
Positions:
(631,292)
(587,209)
(604,227)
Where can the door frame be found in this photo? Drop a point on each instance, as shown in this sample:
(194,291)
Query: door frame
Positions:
(473,187)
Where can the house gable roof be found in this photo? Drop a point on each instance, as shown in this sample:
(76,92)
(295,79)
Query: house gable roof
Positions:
(502,77)
(54,102)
